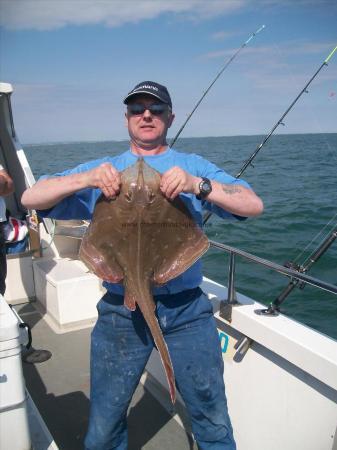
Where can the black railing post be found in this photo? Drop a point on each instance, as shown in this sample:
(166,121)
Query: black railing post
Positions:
(226,306)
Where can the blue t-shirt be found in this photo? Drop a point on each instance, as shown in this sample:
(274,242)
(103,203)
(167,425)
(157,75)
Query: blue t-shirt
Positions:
(81,204)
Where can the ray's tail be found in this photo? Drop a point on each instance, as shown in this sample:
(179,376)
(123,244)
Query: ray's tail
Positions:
(147,306)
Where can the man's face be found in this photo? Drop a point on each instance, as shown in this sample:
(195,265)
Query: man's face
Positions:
(148,130)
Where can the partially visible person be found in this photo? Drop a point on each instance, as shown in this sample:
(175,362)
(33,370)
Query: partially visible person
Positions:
(6,188)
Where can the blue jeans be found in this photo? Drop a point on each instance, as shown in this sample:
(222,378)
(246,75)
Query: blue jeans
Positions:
(121,345)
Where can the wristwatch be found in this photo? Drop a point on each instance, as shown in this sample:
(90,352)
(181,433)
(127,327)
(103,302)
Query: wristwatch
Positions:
(205,188)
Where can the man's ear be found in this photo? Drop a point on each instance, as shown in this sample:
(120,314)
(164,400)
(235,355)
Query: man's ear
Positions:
(171,119)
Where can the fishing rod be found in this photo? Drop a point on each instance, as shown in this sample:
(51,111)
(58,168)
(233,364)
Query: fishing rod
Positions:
(280,121)
(274,307)
(277,124)
(215,79)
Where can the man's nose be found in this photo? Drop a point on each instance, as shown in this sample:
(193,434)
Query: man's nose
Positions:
(147,114)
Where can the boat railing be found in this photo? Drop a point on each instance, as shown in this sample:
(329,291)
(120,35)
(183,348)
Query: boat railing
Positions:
(295,275)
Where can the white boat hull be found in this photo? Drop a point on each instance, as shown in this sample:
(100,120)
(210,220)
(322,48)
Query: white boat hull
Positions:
(274,403)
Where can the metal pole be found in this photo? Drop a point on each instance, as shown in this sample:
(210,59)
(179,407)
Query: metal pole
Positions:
(231,280)
(226,306)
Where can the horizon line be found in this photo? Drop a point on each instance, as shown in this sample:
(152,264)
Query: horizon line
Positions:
(93,141)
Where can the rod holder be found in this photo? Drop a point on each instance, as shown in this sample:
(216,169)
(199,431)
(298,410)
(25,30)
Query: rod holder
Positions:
(226,306)
(274,307)
(231,299)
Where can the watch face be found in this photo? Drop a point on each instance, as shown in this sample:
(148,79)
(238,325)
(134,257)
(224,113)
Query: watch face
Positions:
(205,187)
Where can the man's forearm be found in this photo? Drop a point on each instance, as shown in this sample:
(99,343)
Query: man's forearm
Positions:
(236,199)
(47,193)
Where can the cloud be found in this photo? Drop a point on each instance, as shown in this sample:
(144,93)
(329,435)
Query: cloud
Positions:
(283,51)
(222,35)
(53,14)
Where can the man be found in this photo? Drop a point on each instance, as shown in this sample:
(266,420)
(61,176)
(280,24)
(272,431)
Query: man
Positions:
(6,188)
(121,343)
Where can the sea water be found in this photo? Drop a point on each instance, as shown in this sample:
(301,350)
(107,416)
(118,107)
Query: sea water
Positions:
(295,175)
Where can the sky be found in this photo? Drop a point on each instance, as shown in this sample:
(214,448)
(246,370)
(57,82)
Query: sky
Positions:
(71,62)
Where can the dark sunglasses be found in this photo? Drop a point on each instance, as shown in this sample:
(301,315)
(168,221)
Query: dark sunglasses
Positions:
(156,109)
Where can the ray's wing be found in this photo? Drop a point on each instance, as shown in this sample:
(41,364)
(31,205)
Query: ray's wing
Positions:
(179,238)
(104,240)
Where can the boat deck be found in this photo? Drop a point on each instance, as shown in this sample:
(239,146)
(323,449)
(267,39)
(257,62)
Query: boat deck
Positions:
(59,388)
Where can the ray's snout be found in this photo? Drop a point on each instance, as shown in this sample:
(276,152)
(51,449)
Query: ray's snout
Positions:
(140,190)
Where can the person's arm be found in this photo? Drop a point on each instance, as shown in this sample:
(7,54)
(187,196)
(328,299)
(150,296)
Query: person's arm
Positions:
(46,193)
(6,183)
(234,198)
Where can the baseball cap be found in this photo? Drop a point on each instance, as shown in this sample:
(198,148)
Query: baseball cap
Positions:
(150,88)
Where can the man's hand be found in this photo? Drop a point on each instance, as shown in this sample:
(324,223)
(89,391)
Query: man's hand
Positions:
(6,183)
(106,178)
(176,180)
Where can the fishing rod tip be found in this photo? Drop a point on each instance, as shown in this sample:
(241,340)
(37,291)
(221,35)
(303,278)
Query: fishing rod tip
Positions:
(260,29)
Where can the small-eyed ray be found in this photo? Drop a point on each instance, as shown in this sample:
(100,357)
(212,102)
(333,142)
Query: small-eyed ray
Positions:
(142,239)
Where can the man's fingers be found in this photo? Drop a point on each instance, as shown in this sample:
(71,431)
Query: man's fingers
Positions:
(115,175)
(169,184)
(109,172)
(108,193)
(173,188)
(177,190)
(108,180)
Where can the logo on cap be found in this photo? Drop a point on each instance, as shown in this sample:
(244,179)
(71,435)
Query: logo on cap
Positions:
(146,86)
